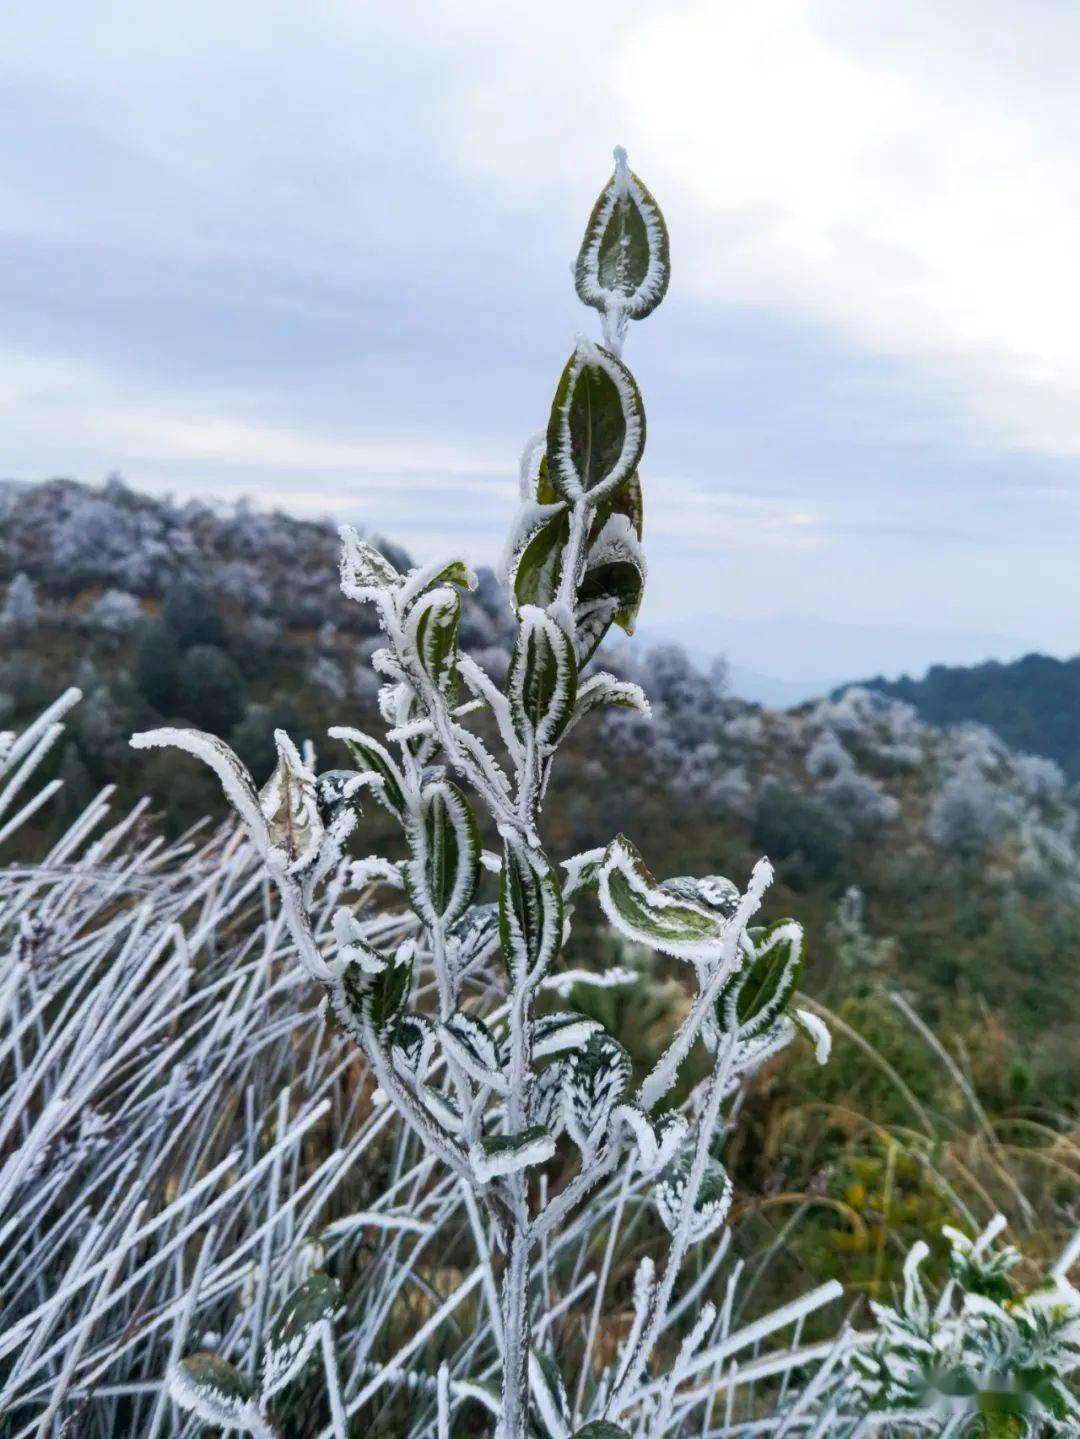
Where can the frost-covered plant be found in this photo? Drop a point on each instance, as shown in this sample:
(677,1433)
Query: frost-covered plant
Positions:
(218,1393)
(986,1359)
(495,1080)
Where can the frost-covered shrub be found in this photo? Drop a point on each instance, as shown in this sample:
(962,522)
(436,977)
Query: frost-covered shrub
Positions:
(115,612)
(884,731)
(19,613)
(986,1359)
(855,799)
(502,1084)
(970,811)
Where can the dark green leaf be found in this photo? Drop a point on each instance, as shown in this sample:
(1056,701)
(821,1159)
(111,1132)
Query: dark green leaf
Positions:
(443,875)
(372,758)
(624,258)
(377,998)
(296,1329)
(541,682)
(758,994)
(615,570)
(432,629)
(530,910)
(643,910)
(596,433)
(539,566)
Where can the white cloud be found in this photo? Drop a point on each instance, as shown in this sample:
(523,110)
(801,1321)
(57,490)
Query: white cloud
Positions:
(721,520)
(107,416)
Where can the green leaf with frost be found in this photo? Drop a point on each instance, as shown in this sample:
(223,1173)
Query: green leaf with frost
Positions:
(592,620)
(555,1033)
(626,500)
(444,872)
(596,433)
(379,999)
(541,681)
(353,944)
(711,1203)
(454,572)
(372,758)
(217,1393)
(538,569)
(501,1154)
(474,937)
(365,573)
(615,570)
(546,493)
(596,1078)
(467,1039)
(644,910)
(625,258)
(757,995)
(431,633)
(582,871)
(297,1328)
(604,689)
(530,910)
(414,1044)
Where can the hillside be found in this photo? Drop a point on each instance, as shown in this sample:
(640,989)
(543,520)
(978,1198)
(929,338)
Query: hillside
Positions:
(1033,703)
(964,851)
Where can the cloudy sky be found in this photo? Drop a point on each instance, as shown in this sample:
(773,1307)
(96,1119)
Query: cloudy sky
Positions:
(316,252)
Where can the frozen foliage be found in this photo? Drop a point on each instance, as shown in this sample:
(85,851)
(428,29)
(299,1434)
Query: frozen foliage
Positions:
(202,1138)
(986,1358)
(169,1223)
(992,801)
(77,541)
(857,800)
(115,612)
(19,613)
(490,1084)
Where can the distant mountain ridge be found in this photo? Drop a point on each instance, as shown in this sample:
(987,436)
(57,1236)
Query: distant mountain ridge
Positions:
(230,619)
(1032,703)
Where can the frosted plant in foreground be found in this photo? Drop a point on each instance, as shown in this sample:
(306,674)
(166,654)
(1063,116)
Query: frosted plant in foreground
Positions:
(494,1079)
(986,1359)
